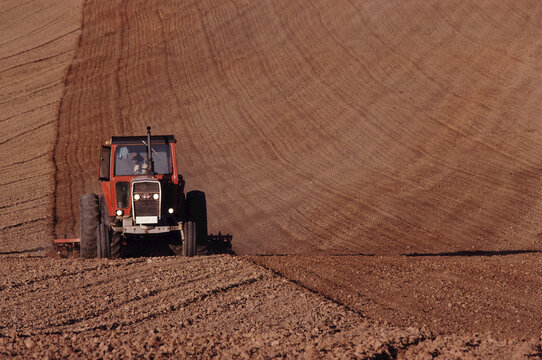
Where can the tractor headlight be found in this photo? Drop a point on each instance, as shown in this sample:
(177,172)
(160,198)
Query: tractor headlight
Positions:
(156,196)
(119,212)
(170,210)
(137,197)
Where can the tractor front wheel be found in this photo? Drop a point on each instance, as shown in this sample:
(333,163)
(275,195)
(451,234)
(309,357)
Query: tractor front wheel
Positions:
(103,238)
(104,213)
(116,243)
(196,207)
(189,243)
(89,209)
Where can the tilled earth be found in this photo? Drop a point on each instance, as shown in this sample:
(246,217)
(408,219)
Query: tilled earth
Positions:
(378,163)
(496,294)
(199,307)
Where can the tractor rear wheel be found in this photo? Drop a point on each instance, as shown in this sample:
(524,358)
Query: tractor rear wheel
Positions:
(104,212)
(189,243)
(103,238)
(116,239)
(116,243)
(89,210)
(196,207)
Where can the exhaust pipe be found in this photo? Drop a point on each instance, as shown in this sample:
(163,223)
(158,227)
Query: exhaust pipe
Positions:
(150,163)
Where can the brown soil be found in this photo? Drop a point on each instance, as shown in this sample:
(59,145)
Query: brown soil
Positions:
(199,307)
(495,294)
(384,154)
(37,43)
(322,127)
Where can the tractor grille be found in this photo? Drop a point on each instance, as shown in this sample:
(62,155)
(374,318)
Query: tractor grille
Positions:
(146,207)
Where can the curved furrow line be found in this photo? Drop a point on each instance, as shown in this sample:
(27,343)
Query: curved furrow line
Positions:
(346,190)
(108,291)
(105,322)
(339,96)
(121,117)
(32,130)
(39,29)
(74,283)
(26,92)
(526,17)
(199,297)
(275,137)
(16,164)
(422,72)
(62,320)
(384,128)
(69,143)
(175,305)
(49,42)
(19,224)
(16,5)
(346,200)
(459,29)
(346,99)
(39,176)
(35,61)
(16,207)
(80,147)
(40,107)
(9,205)
(29,282)
(81,267)
(476,38)
(494,148)
(169,72)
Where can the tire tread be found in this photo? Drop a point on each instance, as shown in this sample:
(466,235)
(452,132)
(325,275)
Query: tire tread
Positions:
(89,220)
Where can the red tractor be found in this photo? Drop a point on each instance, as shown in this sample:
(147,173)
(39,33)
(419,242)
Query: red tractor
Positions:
(143,198)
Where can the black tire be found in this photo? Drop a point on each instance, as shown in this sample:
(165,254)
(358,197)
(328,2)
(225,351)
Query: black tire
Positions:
(89,210)
(115,245)
(104,213)
(115,237)
(196,207)
(189,243)
(103,248)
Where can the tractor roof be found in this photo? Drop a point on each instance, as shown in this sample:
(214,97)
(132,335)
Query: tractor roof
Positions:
(155,139)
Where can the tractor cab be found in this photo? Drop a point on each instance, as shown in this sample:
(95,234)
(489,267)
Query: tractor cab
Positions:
(140,183)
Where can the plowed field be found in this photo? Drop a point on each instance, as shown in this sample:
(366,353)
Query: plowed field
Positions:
(377,162)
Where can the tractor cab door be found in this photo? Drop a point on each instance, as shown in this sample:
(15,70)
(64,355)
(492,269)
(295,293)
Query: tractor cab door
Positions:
(105,163)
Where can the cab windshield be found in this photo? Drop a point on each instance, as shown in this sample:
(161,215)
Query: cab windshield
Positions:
(132,159)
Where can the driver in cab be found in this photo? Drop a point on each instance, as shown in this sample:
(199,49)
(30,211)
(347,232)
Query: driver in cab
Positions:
(140,167)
